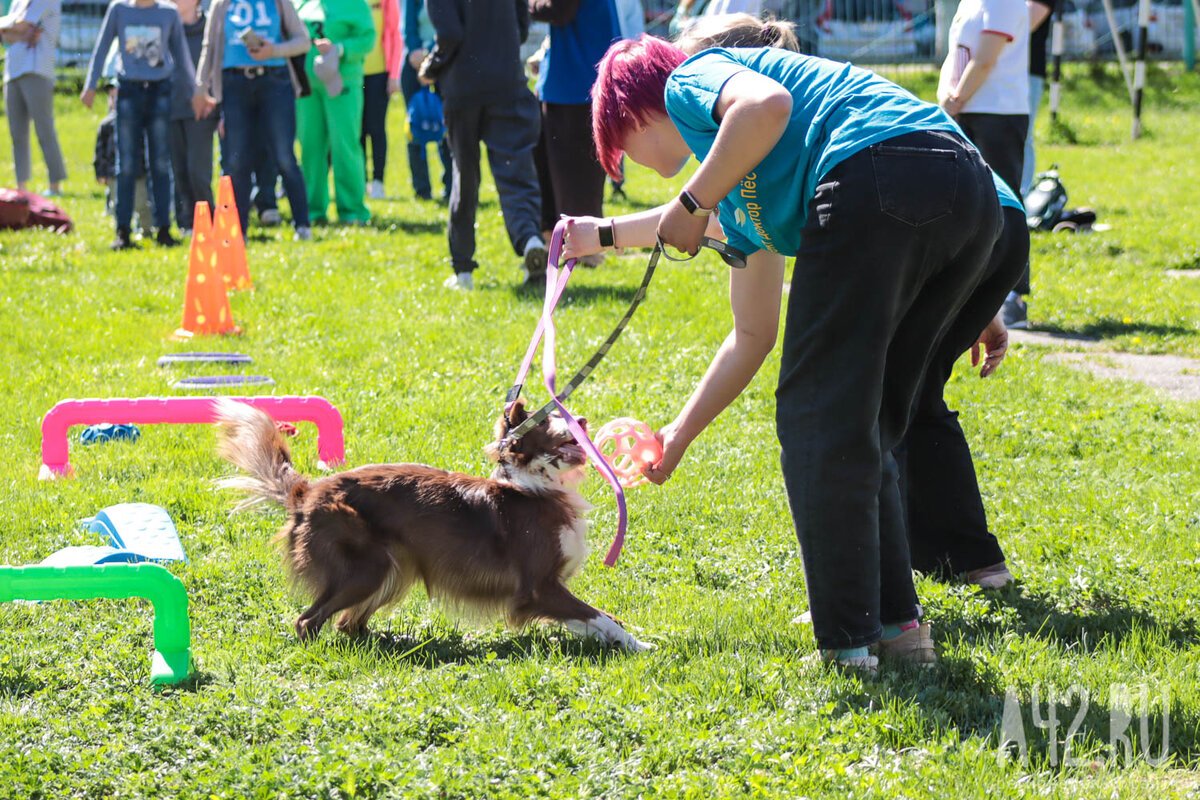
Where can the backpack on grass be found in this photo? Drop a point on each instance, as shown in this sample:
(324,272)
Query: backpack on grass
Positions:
(1045,201)
(30,210)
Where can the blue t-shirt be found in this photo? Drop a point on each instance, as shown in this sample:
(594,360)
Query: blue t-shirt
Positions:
(837,110)
(261,16)
(569,69)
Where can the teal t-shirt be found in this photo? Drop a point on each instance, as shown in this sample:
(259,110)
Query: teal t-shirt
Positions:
(1007,196)
(262,16)
(837,110)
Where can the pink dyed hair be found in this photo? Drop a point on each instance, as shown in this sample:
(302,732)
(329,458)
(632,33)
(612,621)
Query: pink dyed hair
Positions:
(628,92)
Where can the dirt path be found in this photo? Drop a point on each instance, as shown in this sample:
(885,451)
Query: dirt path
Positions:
(1176,376)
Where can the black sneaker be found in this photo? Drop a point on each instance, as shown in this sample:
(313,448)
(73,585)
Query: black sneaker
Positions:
(1015,312)
(165,239)
(123,240)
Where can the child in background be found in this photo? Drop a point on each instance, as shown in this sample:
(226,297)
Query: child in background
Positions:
(104,162)
(152,50)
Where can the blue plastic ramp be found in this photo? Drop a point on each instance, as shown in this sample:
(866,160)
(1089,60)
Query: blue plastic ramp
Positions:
(143,529)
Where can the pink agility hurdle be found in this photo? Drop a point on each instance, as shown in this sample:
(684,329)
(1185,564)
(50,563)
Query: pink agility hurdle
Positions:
(331,448)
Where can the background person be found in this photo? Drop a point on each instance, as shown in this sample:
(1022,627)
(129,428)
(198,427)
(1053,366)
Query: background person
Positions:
(381,80)
(418,40)
(191,139)
(1041,14)
(571,179)
(984,85)
(331,117)
(256,85)
(150,50)
(30,30)
(476,62)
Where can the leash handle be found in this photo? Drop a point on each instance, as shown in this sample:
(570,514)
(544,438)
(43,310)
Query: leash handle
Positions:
(554,287)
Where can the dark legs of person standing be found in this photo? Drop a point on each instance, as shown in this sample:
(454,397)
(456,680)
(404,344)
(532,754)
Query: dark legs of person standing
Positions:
(1001,140)
(571,177)
(897,238)
(509,129)
(374,127)
(946,522)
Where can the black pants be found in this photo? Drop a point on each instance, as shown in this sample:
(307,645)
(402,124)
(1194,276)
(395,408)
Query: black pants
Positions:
(570,175)
(374,125)
(896,239)
(1001,140)
(947,526)
(192,164)
(509,129)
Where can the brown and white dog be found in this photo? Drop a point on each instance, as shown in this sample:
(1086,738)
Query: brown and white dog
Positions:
(359,540)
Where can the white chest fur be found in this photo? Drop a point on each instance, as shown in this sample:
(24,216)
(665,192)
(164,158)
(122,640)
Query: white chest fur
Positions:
(572,538)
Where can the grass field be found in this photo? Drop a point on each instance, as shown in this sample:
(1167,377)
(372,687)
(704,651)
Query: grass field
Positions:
(1091,487)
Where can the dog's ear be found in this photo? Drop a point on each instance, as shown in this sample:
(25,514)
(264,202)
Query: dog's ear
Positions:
(492,450)
(516,414)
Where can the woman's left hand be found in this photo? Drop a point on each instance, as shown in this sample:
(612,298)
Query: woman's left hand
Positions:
(994,340)
(680,229)
(323,46)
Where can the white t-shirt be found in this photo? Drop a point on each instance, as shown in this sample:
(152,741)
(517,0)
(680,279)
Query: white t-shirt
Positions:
(1006,88)
(718,7)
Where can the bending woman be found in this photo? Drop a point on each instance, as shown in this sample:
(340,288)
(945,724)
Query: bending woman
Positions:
(892,217)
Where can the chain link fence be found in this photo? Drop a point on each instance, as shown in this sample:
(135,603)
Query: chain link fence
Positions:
(862,31)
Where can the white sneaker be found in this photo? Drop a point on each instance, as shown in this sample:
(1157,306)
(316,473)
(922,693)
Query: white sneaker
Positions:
(463,281)
(303,235)
(375,190)
(536,256)
(269,218)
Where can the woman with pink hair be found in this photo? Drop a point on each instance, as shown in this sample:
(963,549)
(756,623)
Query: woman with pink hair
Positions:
(891,216)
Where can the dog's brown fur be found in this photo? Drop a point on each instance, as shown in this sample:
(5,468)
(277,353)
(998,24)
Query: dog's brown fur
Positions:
(359,540)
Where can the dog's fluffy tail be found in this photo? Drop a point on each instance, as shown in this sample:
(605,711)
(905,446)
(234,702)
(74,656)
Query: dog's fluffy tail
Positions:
(250,440)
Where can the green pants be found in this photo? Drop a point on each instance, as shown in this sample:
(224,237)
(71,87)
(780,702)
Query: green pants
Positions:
(330,129)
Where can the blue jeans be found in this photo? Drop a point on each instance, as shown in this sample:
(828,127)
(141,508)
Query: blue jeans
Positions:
(144,110)
(1037,85)
(897,238)
(262,109)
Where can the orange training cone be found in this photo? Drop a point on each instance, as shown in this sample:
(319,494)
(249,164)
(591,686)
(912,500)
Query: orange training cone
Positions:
(205,304)
(231,247)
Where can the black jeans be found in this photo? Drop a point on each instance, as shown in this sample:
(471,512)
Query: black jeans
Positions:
(947,526)
(192,162)
(509,128)
(571,177)
(374,124)
(1001,141)
(897,238)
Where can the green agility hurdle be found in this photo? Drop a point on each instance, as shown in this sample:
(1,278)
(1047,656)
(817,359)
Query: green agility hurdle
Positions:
(172,631)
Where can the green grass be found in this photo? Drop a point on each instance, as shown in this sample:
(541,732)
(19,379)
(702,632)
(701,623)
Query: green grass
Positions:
(1090,485)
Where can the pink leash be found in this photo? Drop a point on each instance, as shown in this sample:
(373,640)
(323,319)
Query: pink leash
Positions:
(554,289)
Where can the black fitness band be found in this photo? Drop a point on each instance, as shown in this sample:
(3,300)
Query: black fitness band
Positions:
(607,234)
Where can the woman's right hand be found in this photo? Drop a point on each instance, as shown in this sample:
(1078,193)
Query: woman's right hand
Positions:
(87,97)
(582,237)
(323,46)
(673,448)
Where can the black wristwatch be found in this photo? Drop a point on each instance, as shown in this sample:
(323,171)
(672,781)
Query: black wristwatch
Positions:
(607,234)
(691,206)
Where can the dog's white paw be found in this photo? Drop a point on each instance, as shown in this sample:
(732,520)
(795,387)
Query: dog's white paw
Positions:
(632,645)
